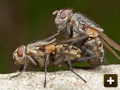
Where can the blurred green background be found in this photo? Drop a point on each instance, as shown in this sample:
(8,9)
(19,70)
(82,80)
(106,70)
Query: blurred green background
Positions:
(23,21)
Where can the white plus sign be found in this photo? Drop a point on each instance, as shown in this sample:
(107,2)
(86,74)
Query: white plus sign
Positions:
(110,80)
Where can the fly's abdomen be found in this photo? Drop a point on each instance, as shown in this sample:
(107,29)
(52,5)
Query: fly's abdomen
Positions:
(72,52)
(96,46)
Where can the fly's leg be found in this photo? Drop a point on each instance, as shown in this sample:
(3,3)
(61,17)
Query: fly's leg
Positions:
(63,65)
(68,30)
(68,63)
(84,68)
(23,68)
(92,55)
(21,71)
(51,37)
(91,59)
(59,60)
(31,60)
(73,70)
(46,62)
(57,33)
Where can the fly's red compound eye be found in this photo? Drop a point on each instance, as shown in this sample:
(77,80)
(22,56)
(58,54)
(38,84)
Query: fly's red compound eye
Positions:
(65,12)
(20,51)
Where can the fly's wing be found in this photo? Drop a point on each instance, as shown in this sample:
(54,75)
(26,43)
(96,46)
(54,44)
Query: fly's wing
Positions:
(107,39)
(110,49)
(97,28)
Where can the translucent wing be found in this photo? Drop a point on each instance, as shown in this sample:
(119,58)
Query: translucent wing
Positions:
(110,49)
(98,31)
(109,41)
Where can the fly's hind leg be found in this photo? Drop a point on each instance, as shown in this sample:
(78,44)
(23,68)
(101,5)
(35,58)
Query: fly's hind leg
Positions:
(92,54)
(91,59)
(67,63)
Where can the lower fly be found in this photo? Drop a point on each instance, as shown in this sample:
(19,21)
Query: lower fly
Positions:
(44,55)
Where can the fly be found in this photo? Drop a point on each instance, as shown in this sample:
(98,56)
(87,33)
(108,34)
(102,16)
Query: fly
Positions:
(77,24)
(44,55)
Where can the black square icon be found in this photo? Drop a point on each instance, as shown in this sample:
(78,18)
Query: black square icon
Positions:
(110,80)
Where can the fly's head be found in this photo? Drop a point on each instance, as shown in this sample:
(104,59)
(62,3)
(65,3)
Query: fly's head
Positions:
(19,55)
(62,16)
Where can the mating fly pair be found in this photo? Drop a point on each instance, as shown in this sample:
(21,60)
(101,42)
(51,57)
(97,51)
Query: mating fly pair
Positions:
(82,31)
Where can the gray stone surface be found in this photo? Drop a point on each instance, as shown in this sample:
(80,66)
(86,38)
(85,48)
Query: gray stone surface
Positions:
(60,80)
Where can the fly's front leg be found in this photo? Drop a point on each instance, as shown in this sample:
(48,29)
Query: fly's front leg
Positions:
(31,60)
(57,33)
(23,68)
(68,30)
(46,62)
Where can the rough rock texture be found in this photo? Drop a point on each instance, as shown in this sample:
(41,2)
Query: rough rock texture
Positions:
(61,80)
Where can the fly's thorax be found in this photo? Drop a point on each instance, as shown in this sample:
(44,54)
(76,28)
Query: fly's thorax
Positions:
(83,19)
(33,46)
(37,55)
(79,20)
(37,44)
(96,46)
(72,52)
(77,25)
